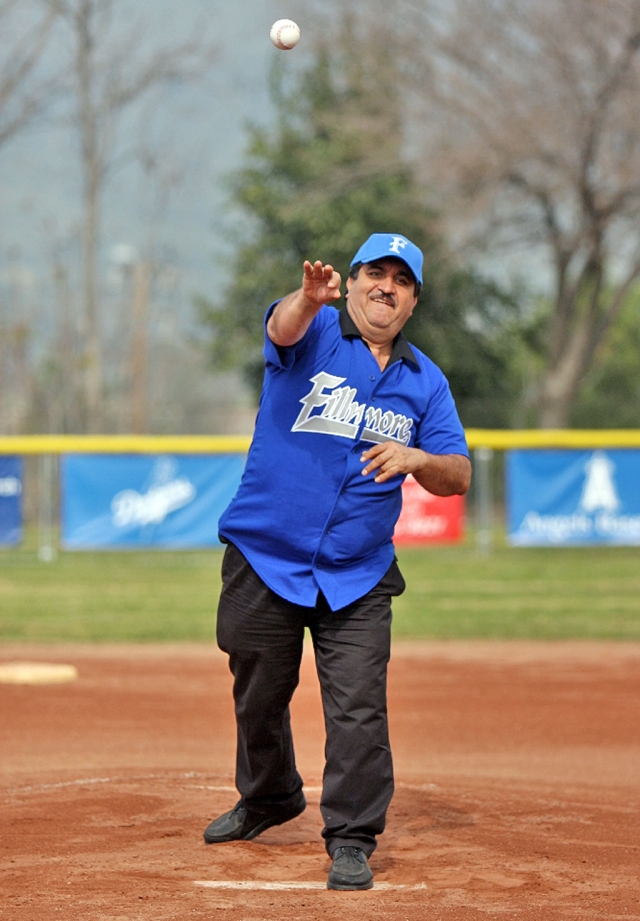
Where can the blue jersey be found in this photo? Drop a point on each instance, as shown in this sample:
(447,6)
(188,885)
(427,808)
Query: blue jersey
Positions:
(304,515)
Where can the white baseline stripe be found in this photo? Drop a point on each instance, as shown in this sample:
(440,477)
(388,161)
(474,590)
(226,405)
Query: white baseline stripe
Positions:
(258,885)
(124,780)
(190,775)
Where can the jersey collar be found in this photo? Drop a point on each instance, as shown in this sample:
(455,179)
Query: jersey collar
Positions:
(401,347)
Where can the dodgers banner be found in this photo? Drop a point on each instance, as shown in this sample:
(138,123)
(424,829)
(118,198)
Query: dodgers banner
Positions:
(10,501)
(573,497)
(129,501)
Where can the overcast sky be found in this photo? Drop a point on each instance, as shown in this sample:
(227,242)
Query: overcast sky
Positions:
(200,134)
(200,131)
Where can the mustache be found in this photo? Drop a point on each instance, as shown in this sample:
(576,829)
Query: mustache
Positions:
(386,298)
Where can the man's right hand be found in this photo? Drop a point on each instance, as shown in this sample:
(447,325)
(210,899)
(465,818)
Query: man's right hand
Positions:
(293,315)
(320,283)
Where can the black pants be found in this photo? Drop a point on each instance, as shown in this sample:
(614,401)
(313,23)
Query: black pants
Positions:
(263,635)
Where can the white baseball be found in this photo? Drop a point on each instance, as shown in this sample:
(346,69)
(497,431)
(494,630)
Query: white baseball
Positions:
(285,34)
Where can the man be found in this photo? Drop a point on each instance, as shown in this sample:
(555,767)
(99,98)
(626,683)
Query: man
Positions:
(348,409)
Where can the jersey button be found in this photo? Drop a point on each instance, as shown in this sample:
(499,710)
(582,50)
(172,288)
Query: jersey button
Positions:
(372,377)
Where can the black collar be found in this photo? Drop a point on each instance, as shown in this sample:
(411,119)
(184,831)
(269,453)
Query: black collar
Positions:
(401,347)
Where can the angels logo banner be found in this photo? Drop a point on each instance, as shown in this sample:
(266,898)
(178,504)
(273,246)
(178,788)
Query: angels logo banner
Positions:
(573,497)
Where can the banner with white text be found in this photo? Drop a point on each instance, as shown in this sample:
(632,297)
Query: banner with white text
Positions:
(429,519)
(10,500)
(130,501)
(573,497)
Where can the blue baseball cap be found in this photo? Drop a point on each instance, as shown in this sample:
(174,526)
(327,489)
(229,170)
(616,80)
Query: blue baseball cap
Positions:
(383,245)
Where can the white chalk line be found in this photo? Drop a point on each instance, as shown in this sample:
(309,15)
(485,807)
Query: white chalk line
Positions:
(282,886)
(214,788)
(124,779)
(189,775)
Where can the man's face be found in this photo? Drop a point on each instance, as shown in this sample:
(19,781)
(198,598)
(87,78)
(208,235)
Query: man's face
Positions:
(381,299)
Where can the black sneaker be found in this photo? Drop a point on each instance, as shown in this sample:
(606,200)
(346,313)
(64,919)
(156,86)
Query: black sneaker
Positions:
(350,869)
(241,824)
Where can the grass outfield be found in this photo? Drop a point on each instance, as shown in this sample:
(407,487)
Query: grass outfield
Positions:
(452,592)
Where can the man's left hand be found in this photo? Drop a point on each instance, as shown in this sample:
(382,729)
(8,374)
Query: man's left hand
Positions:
(440,474)
(390,459)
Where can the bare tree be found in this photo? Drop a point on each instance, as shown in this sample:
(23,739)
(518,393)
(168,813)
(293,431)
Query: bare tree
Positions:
(115,64)
(25,82)
(531,126)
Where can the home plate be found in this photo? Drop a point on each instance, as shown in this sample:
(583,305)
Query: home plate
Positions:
(36,673)
(258,885)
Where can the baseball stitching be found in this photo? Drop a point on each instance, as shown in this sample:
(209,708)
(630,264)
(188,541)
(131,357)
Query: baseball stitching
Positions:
(280,42)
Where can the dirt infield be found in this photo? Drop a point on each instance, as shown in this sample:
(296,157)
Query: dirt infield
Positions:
(518,790)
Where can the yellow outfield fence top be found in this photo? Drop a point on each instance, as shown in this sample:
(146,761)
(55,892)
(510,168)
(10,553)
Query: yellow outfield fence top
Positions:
(497,439)
(500,439)
(124,444)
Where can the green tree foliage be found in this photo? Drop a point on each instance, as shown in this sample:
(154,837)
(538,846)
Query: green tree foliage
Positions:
(610,396)
(469,327)
(330,173)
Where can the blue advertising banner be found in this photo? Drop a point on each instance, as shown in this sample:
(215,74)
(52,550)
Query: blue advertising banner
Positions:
(132,501)
(573,497)
(10,501)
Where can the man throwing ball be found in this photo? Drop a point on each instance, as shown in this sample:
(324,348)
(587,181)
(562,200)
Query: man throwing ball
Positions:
(348,409)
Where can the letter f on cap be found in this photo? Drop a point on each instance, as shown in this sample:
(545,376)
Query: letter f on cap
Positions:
(396,244)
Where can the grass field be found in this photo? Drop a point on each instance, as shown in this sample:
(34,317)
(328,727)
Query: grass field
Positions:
(452,592)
